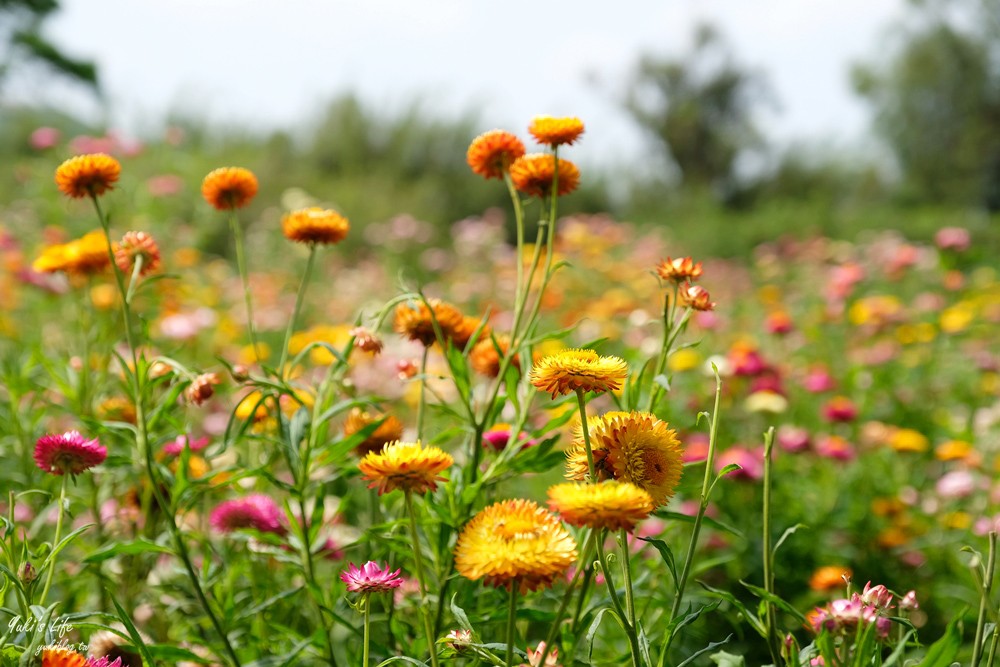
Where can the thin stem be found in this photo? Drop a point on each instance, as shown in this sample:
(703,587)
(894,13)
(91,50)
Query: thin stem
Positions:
(521,290)
(299,296)
(511,621)
(241,263)
(706,487)
(367,603)
(418,561)
(145,451)
(977,647)
(633,640)
(423,394)
(585,556)
(55,540)
(627,568)
(769,611)
(586,435)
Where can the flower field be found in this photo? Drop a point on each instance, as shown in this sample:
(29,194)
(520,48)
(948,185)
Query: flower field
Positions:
(329,441)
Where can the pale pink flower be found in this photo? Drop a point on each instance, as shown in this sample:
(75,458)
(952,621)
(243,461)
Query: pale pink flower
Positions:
(256,511)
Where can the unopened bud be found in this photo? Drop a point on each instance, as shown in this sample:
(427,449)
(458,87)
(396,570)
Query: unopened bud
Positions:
(202,388)
(26,573)
(366,341)
(909,601)
(240,373)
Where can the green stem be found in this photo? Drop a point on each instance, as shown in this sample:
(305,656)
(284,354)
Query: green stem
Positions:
(144,449)
(423,394)
(367,603)
(768,555)
(627,568)
(633,639)
(299,296)
(55,540)
(585,556)
(241,263)
(418,561)
(511,621)
(520,291)
(706,487)
(977,647)
(586,436)
(670,337)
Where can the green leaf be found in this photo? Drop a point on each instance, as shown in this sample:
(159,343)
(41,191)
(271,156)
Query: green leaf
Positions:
(775,600)
(723,659)
(172,654)
(711,647)
(752,619)
(665,553)
(708,521)
(784,536)
(132,632)
(139,546)
(942,652)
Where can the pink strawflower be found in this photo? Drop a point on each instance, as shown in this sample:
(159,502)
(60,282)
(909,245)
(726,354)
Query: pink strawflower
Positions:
(176,446)
(44,137)
(535,657)
(255,511)
(842,617)
(818,380)
(695,448)
(835,447)
(370,578)
(103,661)
(458,640)
(909,601)
(751,463)
(840,409)
(956,484)
(792,438)
(876,596)
(68,453)
(953,238)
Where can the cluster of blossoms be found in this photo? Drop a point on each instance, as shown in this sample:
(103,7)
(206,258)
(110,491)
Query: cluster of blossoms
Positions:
(59,656)
(869,608)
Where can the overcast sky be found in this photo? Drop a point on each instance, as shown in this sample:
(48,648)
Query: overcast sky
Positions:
(274,63)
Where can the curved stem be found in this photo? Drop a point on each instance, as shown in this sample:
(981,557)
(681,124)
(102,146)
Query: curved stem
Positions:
(241,263)
(585,556)
(55,540)
(299,296)
(511,621)
(418,561)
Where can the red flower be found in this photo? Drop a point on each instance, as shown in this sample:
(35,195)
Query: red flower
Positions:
(68,453)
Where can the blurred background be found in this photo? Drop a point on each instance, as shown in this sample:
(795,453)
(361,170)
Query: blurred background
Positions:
(723,121)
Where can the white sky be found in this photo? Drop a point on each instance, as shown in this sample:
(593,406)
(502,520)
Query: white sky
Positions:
(274,63)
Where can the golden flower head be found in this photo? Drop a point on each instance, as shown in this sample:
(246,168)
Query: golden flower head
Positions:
(491,153)
(533,174)
(85,256)
(830,578)
(485,358)
(416,320)
(634,447)
(87,175)
(405,465)
(390,430)
(228,188)
(555,131)
(514,540)
(695,297)
(679,270)
(612,505)
(571,370)
(315,225)
(134,245)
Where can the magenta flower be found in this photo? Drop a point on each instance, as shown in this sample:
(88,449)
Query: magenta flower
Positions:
(370,578)
(104,661)
(255,511)
(69,453)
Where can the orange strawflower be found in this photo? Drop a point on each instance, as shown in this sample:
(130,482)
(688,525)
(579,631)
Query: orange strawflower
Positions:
(485,359)
(533,175)
(390,430)
(569,370)
(491,153)
(88,175)
(229,188)
(405,465)
(137,244)
(695,297)
(555,131)
(462,333)
(610,505)
(315,225)
(416,320)
(514,540)
(59,656)
(634,447)
(679,270)
(830,578)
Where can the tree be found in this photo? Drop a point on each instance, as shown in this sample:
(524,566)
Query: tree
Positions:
(699,108)
(21,41)
(937,101)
